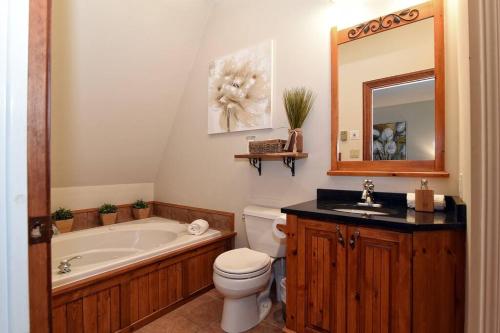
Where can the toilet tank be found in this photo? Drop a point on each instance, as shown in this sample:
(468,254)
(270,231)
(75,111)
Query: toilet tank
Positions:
(258,224)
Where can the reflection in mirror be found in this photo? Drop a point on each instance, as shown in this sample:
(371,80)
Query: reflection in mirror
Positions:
(400,118)
(404,54)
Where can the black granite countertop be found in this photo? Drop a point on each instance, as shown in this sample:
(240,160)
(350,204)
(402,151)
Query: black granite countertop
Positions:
(398,217)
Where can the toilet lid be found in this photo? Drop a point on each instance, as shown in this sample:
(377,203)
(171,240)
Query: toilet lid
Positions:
(242,261)
(243,276)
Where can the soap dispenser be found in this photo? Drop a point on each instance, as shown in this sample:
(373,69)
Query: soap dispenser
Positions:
(424,198)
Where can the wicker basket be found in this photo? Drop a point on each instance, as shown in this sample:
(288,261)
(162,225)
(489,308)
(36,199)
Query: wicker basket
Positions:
(267,146)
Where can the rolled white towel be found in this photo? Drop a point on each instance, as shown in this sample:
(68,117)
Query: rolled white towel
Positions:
(279,220)
(439,201)
(197,227)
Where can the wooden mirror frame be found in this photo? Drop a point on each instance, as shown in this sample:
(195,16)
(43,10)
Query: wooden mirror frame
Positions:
(428,168)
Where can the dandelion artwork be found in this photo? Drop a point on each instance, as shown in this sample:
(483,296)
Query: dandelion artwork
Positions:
(240,90)
(389,141)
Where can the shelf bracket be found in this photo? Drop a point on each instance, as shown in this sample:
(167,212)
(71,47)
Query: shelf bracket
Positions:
(290,163)
(257,164)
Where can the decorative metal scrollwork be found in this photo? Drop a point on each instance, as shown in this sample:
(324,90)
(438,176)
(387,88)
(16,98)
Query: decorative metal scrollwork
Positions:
(289,162)
(383,22)
(257,164)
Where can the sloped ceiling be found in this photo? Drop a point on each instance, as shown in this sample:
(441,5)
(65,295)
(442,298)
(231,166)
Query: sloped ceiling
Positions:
(119,68)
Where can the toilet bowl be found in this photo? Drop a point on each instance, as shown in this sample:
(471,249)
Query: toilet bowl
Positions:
(246,294)
(244,276)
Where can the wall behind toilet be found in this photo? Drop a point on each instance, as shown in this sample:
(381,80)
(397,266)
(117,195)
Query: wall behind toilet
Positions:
(199,169)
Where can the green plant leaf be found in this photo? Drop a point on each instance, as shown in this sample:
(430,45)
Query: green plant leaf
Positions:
(62,214)
(108,209)
(140,204)
(298,103)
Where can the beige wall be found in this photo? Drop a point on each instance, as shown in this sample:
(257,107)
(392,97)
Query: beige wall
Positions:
(83,197)
(200,170)
(119,68)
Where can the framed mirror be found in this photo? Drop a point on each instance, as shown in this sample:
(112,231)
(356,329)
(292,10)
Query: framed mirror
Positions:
(388,95)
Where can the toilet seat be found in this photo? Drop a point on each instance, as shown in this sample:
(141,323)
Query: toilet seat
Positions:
(242,263)
(242,276)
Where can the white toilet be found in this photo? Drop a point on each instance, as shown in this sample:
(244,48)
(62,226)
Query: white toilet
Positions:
(244,276)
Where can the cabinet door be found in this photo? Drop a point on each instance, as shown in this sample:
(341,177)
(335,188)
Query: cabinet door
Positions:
(321,277)
(378,281)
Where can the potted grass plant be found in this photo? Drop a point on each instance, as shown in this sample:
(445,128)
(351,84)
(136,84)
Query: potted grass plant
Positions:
(108,213)
(140,208)
(298,103)
(63,219)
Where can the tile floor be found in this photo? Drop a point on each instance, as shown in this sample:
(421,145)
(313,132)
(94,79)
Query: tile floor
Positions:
(203,314)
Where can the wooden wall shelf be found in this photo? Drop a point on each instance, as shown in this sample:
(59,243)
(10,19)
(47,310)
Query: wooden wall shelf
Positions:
(255,160)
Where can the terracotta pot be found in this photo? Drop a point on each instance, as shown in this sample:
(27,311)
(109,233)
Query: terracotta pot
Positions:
(299,141)
(108,219)
(295,141)
(290,145)
(64,225)
(140,213)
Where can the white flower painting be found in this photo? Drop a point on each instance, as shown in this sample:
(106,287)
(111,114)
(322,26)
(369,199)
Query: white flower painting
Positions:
(389,141)
(240,90)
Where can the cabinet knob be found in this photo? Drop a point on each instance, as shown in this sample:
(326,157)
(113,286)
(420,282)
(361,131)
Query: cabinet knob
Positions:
(354,239)
(340,237)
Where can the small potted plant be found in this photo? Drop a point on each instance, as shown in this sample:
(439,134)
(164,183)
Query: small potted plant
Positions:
(63,219)
(108,213)
(298,103)
(140,208)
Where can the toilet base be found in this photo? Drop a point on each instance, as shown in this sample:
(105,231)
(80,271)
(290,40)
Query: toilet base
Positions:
(241,314)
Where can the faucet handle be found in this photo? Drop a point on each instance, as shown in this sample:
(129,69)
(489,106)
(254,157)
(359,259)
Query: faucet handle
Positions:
(368,185)
(66,261)
(64,266)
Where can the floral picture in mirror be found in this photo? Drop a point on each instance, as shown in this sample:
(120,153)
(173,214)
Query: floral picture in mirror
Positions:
(240,90)
(389,141)
(392,106)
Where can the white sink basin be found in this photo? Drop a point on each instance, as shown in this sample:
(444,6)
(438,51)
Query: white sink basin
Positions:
(359,211)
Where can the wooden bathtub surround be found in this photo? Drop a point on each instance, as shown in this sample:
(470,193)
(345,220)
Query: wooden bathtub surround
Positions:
(219,220)
(223,221)
(345,278)
(127,298)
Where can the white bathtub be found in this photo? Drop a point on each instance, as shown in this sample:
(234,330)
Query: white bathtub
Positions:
(109,247)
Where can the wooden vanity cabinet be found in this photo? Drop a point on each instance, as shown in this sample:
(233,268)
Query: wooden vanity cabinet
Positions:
(321,277)
(354,279)
(378,281)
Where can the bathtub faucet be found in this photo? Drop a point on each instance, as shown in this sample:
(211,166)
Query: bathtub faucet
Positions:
(65,265)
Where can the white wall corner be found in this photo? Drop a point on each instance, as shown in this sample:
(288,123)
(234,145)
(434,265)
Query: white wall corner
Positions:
(14,286)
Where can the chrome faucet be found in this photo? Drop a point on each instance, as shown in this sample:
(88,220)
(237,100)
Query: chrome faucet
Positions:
(65,265)
(367,196)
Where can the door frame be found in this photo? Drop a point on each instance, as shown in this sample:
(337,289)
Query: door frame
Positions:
(40,277)
(14,296)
